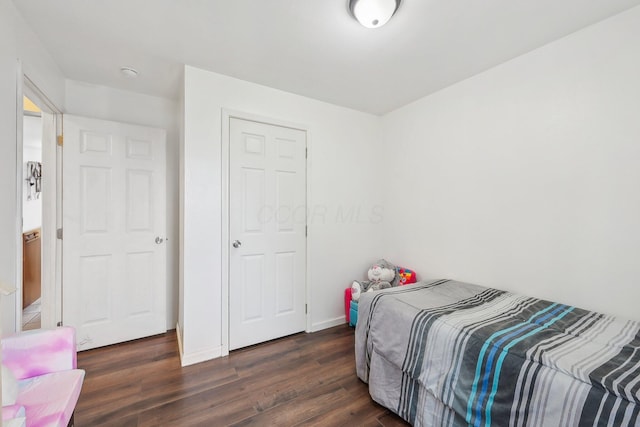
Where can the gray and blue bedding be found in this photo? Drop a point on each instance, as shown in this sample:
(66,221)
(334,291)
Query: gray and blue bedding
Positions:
(445,353)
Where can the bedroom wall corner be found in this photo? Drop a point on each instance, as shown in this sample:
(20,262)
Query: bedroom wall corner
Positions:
(524,177)
(181,113)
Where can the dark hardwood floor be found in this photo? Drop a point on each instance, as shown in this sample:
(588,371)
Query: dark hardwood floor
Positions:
(304,379)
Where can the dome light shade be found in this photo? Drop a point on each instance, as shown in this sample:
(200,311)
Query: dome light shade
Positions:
(129,72)
(373,13)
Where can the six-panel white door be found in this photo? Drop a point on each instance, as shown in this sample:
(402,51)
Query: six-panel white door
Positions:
(267,221)
(114,256)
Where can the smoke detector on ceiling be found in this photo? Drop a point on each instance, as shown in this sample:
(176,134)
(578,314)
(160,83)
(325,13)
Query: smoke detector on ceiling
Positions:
(129,72)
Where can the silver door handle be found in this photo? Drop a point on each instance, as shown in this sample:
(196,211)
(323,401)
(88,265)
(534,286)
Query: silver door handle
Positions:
(159,240)
(237,243)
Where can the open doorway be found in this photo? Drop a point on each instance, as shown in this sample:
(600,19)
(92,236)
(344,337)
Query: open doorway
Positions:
(38,296)
(31,215)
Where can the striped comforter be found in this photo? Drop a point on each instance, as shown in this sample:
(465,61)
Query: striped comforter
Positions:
(445,353)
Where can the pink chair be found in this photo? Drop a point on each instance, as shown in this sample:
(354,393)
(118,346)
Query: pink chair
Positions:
(45,366)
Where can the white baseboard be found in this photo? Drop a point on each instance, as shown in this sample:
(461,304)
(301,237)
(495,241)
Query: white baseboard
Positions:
(199,356)
(325,324)
(179,336)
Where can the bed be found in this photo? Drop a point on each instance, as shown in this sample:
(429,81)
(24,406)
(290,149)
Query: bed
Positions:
(446,353)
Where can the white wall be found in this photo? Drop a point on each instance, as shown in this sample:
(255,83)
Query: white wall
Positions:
(526,177)
(345,164)
(17,41)
(106,103)
(32,152)
(181,179)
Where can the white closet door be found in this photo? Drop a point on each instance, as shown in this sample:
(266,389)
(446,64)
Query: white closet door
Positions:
(267,221)
(114,220)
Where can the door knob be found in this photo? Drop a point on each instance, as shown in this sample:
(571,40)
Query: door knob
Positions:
(237,243)
(159,240)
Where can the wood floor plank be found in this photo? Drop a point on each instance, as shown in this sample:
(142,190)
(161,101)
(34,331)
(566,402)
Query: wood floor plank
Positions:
(306,406)
(350,412)
(303,379)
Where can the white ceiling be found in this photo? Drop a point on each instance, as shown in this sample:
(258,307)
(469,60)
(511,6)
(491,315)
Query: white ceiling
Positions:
(309,47)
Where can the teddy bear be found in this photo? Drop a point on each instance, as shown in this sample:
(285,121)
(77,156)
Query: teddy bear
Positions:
(382,275)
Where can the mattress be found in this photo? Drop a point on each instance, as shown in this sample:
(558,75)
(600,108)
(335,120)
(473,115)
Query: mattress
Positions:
(447,353)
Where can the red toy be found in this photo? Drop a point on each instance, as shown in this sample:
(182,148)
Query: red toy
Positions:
(406,276)
(347,302)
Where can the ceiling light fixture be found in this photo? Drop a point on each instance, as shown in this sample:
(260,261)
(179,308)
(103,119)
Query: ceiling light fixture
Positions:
(373,13)
(129,72)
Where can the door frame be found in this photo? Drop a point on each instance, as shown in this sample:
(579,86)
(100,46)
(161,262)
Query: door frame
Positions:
(227,115)
(51,285)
